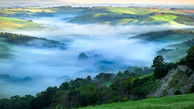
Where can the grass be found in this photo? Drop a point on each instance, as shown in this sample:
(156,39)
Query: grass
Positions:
(125,10)
(124,21)
(170,102)
(33,11)
(129,15)
(105,15)
(7,23)
(139,11)
(165,18)
(24,10)
(146,75)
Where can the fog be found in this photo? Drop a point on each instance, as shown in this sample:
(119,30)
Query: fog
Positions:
(108,48)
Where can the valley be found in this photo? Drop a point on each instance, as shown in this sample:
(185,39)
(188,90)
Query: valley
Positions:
(65,43)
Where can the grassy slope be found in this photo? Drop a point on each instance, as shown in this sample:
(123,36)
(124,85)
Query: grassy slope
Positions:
(38,12)
(7,23)
(20,10)
(140,11)
(171,102)
(107,15)
(133,15)
(10,18)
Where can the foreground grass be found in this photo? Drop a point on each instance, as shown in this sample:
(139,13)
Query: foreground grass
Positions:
(171,102)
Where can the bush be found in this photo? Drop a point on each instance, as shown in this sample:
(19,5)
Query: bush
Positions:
(192,89)
(177,92)
(125,99)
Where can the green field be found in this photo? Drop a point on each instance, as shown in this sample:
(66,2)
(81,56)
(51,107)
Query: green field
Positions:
(7,23)
(20,10)
(171,102)
(38,12)
(107,15)
(140,10)
(132,15)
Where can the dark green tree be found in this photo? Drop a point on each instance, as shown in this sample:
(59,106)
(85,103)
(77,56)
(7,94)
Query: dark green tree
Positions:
(189,59)
(64,86)
(160,67)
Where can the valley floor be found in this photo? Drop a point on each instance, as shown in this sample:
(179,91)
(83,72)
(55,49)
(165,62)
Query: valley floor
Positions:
(172,102)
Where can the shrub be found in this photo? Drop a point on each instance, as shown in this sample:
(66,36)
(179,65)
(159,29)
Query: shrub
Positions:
(125,99)
(192,89)
(177,92)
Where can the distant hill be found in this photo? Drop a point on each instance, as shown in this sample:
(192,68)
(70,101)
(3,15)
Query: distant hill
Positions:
(8,40)
(177,42)
(26,40)
(108,15)
(7,23)
(133,15)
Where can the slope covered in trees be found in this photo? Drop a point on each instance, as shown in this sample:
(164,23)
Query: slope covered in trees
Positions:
(29,41)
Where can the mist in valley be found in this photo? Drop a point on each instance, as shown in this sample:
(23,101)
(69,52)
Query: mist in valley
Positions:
(107,49)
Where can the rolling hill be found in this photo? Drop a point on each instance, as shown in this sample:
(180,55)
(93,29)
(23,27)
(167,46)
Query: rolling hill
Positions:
(7,23)
(108,15)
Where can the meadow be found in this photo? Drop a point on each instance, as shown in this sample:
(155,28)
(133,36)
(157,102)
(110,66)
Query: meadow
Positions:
(171,102)
(7,23)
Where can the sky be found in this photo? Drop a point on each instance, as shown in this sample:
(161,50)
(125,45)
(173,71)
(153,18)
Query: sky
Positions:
(179,2)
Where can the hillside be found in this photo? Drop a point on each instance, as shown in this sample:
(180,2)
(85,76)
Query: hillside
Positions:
(8,41)
(26,40)
(7,23)
(177,42)
(171,102)
(133,15)
(107,15)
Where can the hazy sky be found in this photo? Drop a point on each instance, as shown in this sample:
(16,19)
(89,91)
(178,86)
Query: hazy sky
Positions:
(107,1)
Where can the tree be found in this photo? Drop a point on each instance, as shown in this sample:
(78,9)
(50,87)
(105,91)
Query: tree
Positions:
(189,60)
(160,67)
(64,86)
